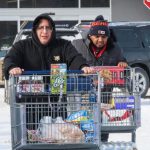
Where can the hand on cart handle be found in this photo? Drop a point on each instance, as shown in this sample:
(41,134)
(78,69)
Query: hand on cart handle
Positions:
(88,70)
(122,64)
(16,71)
(19,71)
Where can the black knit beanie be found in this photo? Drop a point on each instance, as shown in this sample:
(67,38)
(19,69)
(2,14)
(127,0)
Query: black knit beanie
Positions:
(99,27)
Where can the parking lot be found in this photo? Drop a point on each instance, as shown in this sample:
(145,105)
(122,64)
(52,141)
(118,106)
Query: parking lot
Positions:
(142,134)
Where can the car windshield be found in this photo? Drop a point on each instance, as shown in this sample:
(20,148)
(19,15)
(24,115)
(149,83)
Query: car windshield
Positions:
(6,42)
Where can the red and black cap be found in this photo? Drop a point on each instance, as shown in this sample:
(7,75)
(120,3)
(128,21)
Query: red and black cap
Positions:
(99,27)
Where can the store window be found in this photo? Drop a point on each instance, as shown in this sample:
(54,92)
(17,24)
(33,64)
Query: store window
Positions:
(8,3)
(48,3)
(7,34)
(95,3)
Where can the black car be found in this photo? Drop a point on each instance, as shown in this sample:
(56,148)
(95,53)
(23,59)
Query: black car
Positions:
(133,37)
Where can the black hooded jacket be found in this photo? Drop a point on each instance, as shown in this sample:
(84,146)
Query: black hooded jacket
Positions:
(30,54)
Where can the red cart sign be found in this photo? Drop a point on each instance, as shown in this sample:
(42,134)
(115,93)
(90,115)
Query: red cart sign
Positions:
(147,3)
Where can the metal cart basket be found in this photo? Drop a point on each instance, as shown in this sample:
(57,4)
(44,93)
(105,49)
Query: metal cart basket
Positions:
(120,102)
(47,111)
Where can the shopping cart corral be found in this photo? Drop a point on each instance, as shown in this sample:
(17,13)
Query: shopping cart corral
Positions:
(63,112)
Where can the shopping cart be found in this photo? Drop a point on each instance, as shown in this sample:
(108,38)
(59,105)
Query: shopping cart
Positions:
(55,112)
(68,116)
(120,102)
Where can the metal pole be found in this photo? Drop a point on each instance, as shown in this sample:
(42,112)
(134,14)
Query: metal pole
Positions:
(18,3)
(110,10)
(18,24)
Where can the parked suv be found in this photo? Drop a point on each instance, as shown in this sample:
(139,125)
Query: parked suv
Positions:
(133,37)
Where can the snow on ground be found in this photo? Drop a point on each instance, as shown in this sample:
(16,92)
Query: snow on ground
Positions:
(5,135)
(142,134)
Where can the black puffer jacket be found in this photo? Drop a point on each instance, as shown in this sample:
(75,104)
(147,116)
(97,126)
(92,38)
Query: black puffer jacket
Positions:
(30,54)
(111,57)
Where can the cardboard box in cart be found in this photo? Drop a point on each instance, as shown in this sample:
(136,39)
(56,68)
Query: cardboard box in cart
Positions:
(117,74)
(58,82)
(28,84)
(124,102)
(37,85)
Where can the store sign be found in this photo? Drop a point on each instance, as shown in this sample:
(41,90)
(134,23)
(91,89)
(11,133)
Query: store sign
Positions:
(147,3)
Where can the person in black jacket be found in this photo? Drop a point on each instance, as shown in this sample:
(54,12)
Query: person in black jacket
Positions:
(38,53)
(43,49)
(99,50)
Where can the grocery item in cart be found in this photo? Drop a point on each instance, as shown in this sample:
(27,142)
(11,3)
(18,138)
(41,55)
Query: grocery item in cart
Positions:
(116,117)
(86,123)
(86,98)
(117,74)
(58,82)
(37,85)
(124,102)
(23,85)
(56,130)
(30,84)
(89,137)
(79,116)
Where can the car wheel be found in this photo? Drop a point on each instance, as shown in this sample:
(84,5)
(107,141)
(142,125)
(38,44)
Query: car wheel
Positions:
(141,81)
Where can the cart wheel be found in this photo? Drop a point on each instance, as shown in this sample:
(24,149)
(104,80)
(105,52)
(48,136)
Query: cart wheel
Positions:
(134,136)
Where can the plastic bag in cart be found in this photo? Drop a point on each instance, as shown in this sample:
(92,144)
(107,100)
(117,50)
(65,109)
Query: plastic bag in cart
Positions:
(58,131)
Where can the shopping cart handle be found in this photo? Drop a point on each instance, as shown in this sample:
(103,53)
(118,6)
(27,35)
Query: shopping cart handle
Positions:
(75,71)
(46,72)
(36,72)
